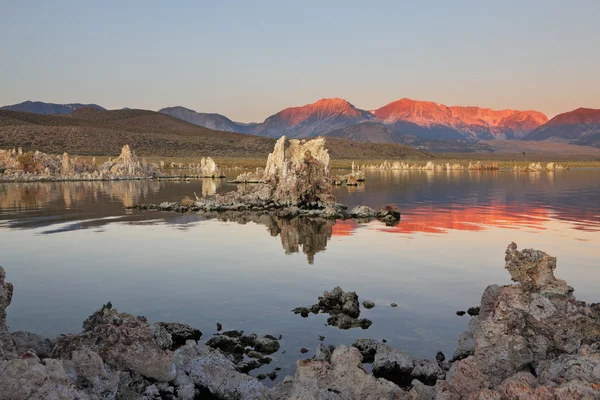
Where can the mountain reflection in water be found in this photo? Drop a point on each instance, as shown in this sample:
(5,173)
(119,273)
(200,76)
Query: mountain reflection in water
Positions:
(431,202)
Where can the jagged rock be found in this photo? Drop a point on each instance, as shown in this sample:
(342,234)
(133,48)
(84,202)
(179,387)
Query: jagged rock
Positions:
(339,301)
(536,322)
(123,341)
(198,365)
(300,173)
(25,341)
(393,364)
(323,352)
(180,333)
(7,346)
(343,308)
(29,379)
(342,378)
(367,348)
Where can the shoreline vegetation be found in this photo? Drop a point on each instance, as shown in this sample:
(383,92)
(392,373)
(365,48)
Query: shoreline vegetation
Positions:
(531,339)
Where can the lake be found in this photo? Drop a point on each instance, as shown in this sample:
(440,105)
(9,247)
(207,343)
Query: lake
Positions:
(70,247)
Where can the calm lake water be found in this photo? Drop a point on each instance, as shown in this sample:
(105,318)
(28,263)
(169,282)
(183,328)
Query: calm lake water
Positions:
(70,247)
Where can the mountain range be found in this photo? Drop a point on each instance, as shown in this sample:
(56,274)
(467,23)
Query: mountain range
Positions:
(89,131)
(39,107)
(403,121)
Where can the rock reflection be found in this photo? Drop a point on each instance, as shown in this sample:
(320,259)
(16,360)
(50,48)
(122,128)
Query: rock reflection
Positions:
(309,235)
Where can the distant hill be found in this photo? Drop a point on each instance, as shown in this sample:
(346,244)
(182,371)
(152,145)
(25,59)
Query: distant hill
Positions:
(39,107)
(156,134)
(580,127)
(212,121)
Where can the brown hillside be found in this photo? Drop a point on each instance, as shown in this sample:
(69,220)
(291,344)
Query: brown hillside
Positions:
(155,134)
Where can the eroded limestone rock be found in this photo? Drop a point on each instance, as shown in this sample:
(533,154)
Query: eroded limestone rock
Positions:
(534,324)
(343,308)
(7,346)
(342,378)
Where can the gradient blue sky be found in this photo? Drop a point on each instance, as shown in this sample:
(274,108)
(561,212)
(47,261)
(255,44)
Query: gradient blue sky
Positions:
(249,59)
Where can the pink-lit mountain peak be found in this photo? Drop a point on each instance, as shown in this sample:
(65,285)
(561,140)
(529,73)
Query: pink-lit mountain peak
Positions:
(322,109)
(427,113)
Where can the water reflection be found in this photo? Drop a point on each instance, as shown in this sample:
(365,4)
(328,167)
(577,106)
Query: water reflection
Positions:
(432,202)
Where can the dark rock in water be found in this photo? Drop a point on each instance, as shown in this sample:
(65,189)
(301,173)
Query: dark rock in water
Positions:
(226,344)
(340,301)
(473,311)
(394,305)
(397,366)
(266,345)
(343,308)
(303,350)
(253,354)
(384,340)
(233,334)
(272,376)
(460,313)
(261,377)
(249,366)
(367,348)
(321,338)
(265,360)
(390,215)
(180,333)
(368,304)
(344,321)
(277,368)
(219,327)
(440,357)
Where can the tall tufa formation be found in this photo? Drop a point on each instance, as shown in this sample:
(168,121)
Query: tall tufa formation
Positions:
(299,174)
(127,165)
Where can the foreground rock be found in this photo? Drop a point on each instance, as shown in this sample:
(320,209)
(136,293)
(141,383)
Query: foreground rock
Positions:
(343,308)
(530,340)
(341,378)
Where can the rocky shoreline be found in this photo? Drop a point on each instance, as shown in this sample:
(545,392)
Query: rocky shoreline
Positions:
(19,166)
(531,340)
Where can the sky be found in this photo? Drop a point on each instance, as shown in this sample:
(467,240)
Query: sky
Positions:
(250,59)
